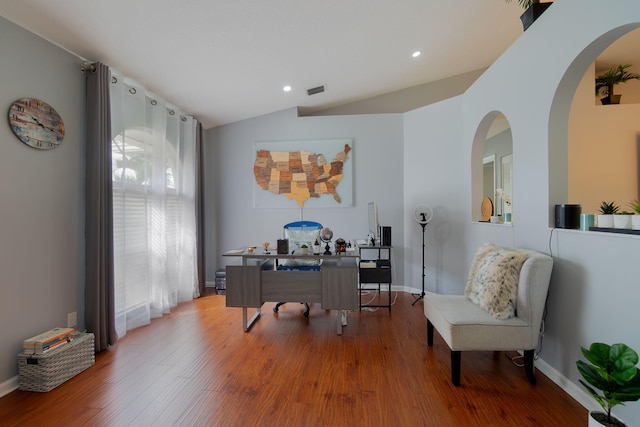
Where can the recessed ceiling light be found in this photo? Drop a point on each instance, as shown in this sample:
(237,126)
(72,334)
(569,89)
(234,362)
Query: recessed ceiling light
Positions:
(287,88)
(416,53)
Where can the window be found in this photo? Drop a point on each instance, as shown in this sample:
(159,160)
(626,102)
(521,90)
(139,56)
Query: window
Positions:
(153,172)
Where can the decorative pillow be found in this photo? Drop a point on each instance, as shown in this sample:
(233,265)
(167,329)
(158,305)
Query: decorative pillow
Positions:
(493,280)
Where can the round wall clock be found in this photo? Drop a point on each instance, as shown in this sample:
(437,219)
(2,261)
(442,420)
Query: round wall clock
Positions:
(36,123)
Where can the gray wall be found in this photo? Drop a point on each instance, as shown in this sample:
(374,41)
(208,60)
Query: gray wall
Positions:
(594,290)
(41,213)
(423,156)
(232,221)
(594,287)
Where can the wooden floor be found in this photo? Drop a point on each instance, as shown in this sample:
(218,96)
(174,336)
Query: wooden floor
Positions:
(196,367)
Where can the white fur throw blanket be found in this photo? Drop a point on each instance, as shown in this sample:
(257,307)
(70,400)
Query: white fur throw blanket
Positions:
(493,280)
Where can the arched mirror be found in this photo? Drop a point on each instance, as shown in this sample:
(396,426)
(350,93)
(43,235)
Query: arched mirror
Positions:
(495,151)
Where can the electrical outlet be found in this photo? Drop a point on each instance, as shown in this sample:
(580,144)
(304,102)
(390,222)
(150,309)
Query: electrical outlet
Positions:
(72,319)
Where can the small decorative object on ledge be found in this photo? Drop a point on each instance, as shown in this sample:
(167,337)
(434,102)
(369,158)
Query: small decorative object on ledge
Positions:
(486,209)
(605,217)
(36,123)
(635,219)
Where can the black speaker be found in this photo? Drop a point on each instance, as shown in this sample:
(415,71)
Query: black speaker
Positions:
(385,236)
(568,216)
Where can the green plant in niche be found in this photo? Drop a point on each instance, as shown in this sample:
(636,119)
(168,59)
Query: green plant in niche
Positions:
(609,208)
(304,247)
(635,206)
(615,75)
(525,3)
(612,378)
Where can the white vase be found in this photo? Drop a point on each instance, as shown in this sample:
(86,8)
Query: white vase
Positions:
(595,423)
(622,221)
(635,222)
(605,221)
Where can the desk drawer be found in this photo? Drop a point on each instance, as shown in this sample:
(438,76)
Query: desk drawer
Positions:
(289,286)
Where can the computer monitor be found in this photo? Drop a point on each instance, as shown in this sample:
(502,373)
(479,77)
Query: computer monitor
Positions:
(374,224)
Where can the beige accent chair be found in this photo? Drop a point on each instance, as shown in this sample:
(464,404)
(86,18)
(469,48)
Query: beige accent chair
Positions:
(465,326)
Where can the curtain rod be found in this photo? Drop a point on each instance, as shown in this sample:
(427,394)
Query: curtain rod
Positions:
(91,67)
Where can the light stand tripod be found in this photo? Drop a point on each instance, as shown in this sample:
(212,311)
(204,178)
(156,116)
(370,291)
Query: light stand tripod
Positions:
(424,225)
(422,214)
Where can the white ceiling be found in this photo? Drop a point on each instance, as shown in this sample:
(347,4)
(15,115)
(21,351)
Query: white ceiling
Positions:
(225,61)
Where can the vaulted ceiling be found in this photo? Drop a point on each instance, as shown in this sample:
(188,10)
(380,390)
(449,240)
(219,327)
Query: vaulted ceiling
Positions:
(225,61)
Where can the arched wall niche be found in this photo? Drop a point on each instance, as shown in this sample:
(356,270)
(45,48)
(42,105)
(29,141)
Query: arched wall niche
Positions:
(492,147)
(560,112)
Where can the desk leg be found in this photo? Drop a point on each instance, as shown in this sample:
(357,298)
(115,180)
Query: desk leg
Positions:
(342,320)
(247,324)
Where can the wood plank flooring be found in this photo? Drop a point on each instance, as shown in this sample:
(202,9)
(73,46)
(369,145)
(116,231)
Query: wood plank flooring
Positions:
(196,367)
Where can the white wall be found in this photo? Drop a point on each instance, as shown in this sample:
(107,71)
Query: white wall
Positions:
(432,176)
(42,208)
(232,221)
(423,156)
(594,288)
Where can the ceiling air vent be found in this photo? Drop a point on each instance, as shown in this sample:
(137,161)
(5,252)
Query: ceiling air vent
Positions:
(314,90)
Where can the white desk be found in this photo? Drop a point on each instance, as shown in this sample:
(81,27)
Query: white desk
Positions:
(257,280)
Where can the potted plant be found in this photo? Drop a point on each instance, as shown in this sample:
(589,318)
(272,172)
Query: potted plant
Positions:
(304,249)
(607,80)
(533,10)
(635,219)
(607,210)
(622,219)
(612,378)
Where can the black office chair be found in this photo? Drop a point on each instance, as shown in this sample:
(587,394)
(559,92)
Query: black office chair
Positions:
(298,233)
(306,305)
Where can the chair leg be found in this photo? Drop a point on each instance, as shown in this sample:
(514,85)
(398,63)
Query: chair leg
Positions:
(429,333)
(455,367)
(529,369)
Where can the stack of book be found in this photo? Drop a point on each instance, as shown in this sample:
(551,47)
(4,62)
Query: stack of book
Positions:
(47,341)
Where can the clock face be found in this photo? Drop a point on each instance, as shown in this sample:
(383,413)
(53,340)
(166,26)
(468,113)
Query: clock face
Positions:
(36,123)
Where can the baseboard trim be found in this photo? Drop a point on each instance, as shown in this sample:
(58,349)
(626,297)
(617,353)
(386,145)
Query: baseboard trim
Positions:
(580,395)
(408,290)
(9,385)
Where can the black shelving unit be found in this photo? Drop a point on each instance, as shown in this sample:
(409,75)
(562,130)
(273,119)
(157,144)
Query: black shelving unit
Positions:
(377,271)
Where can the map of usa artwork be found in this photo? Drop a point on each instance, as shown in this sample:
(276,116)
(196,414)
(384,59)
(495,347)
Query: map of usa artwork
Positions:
(303,174)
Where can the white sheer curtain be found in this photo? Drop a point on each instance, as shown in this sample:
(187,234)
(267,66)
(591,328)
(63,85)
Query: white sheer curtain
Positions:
(154,171)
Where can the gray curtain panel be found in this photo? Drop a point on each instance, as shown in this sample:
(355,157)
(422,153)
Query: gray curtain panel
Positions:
(99,273)
(199,211)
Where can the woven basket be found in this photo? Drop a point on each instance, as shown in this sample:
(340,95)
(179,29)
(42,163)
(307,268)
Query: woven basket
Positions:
(44,372)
